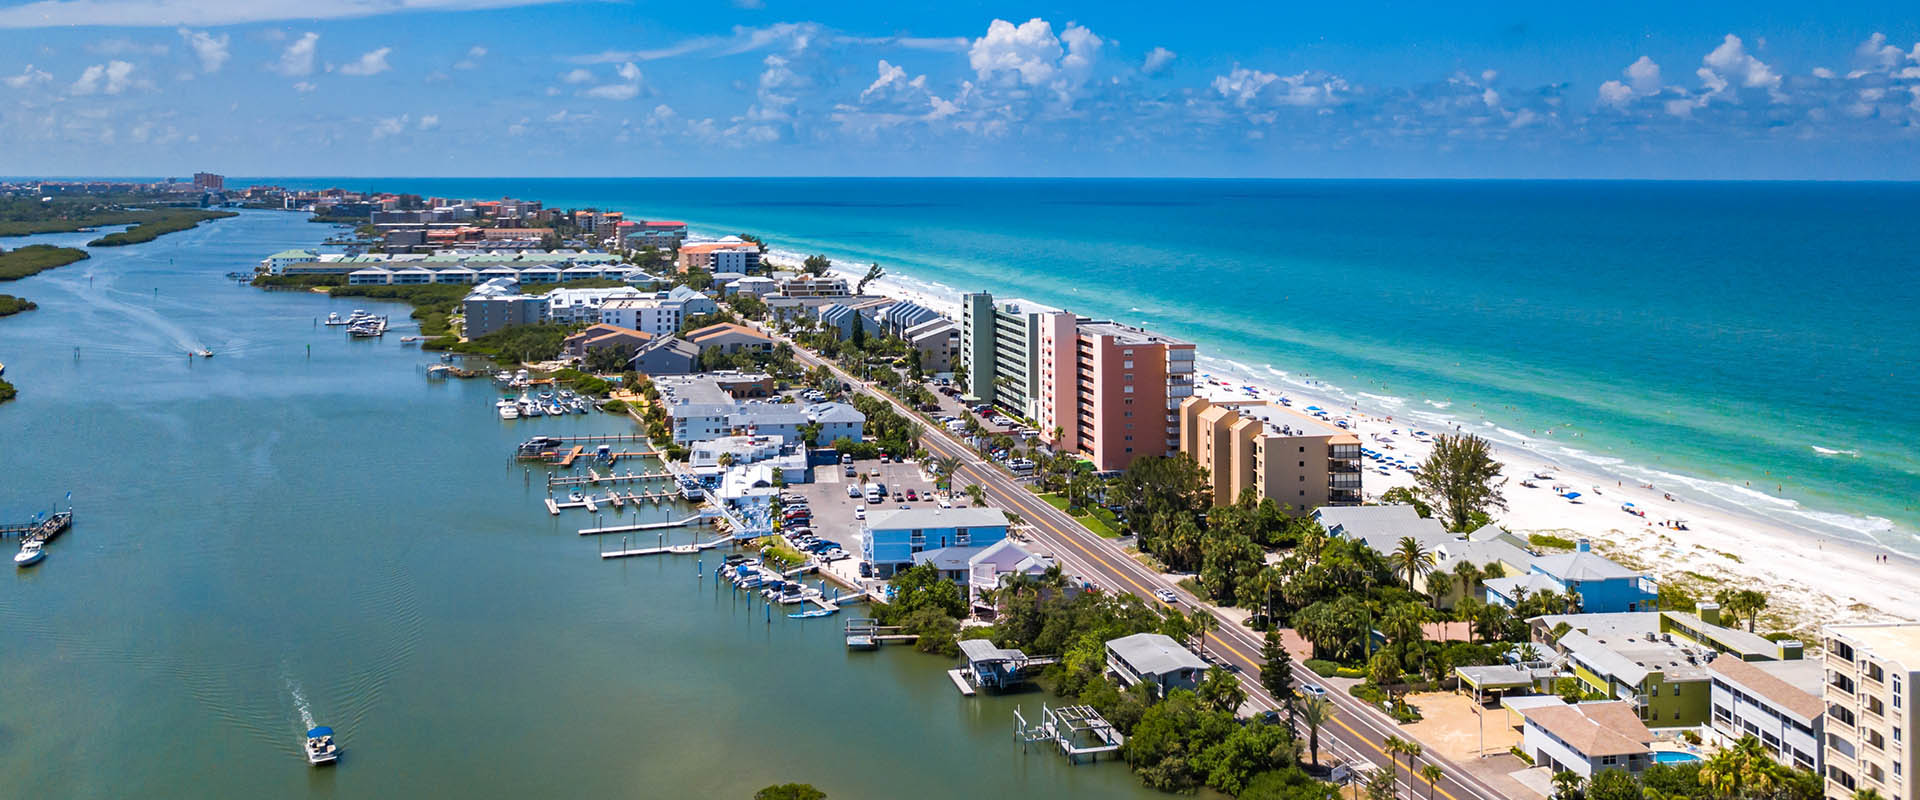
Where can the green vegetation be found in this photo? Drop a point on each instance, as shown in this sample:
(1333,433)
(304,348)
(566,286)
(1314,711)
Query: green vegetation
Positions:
(10,305)
(786,556)
(157,223)
(6,391)
(1099,520)
(266,281)
(585,384)
(1547,541)
(1462,481)
(790,791)
(515,344)
(36,258)
(1738,772)
(22,216)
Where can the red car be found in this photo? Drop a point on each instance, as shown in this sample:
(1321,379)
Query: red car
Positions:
(911,495)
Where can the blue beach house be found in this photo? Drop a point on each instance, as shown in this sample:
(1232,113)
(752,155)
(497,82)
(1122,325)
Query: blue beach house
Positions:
(1602,586)
(891,537)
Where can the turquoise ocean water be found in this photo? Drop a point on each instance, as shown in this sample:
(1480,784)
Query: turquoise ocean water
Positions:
(1750,344)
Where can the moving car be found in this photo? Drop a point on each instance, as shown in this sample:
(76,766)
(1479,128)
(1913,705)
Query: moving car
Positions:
(1166,596)
(1313,690)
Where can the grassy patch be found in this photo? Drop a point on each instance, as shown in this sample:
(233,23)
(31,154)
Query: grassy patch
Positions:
(157,223)
(1547,541)
(266,281)
(783,554)
(1101,521)
(13,305)
(36,258)
(1192,584)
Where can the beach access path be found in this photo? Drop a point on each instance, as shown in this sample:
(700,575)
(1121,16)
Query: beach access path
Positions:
(1357,729)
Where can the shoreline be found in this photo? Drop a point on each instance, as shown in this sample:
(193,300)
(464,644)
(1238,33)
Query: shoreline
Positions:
(1811,579)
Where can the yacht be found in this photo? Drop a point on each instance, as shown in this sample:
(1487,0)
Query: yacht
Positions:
(507,409)
(30,553)
(333,318)
(320,746)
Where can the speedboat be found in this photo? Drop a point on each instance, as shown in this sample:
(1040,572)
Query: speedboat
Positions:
(320,746)
(333,318)
(507,410)
(30,553)
(205,353)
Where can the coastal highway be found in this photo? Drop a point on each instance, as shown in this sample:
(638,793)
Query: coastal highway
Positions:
(1357,729)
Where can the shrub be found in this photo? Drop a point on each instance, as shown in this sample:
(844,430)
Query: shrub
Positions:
(1547,541)
(614,406)
(1322,667)
(34,258)
(6,391)
(1521,754)
(157,223)
(14,305)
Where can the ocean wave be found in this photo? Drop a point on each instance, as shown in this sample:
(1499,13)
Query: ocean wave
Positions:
(1605,461)
(1439,404)
(1385,399)
(1828,451)
(1865,526)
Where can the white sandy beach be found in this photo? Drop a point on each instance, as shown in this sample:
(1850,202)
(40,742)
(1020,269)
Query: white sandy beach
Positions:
(1810,581)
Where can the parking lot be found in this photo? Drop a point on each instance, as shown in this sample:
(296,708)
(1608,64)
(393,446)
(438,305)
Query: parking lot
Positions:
(834,512)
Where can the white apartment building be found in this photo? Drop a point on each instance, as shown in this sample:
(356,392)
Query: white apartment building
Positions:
(649,315)
(1869,722)
(1777,702)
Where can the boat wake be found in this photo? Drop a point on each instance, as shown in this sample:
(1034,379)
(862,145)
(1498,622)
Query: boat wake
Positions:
(1828,451)
(300,704)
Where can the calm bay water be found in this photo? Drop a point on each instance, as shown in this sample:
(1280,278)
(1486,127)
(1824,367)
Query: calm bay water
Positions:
(1750,342)
(280,530)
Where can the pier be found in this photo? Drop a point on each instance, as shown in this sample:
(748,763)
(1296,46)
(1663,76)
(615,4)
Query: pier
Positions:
(643,526)
(593,478)
(687,549)
(615,499)
(865,633)
(554,448)
(44,530)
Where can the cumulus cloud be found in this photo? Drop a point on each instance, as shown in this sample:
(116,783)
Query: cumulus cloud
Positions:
(627,89)
(27,77)
(429,122)
(890,75)
(1028,50)
(372,62)
(1642,80)
(1249,88)
(210,49)
(112,77)
(1157,59)
(304,87)
(1731,65)
(390,126)
(577,75)
(297,59)
(472,61)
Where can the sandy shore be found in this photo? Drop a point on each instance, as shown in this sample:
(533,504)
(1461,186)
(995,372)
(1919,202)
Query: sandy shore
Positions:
(1810,581)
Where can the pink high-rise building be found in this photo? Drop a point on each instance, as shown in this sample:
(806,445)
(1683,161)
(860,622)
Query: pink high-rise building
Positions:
(1109,391)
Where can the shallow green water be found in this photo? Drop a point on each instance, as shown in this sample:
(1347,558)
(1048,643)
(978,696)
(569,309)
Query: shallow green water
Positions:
(272,527)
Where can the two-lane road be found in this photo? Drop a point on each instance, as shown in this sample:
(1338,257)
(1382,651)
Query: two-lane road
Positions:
(1357,729)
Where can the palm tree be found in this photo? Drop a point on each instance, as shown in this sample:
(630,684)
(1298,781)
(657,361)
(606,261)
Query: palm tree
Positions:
(1412,559)
(977,494)
(1866,794)
(1432,773)
(1203,624)
(1468,574)
(1439,584)
(943,468)
(1394,747)
(1316,711)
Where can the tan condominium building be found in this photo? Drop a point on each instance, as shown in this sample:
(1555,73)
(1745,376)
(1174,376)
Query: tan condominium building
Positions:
(1870,719)
(1281,454)
(1110,392)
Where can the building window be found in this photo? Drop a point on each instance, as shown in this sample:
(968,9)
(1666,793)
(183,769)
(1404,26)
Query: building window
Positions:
(1303,464)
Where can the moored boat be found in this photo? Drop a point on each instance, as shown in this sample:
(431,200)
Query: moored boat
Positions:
(31,551)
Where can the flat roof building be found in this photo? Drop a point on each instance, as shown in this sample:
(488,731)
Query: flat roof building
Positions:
(1282,455)
(1871,669)
(1112,392)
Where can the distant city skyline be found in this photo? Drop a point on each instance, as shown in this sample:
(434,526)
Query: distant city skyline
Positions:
(529,88)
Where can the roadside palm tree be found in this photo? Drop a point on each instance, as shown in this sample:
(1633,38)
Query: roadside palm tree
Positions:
(1203,624)
(1432,773)
(943,469)
(977,494)
(1394,747)
(1315,711)
(1412,559)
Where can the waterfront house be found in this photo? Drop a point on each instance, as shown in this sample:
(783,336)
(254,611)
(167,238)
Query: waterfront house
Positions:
(810,286)
(1156,659)
(370,276)
(461,275)
(278,262)
(995,564)
(1601,585)
(1585,738)
(579,273)
(497,273)
(540,274)
(890,537)
(498,304)
(596,337)
(894,320)
(993,667)
(754,286)
(412,276)
(1776,702)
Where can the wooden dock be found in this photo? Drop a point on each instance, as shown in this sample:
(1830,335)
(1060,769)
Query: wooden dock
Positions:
(594,478)
(45,530)
(592,502)
(643,526)
(864,633)
(681,549)
(960,682)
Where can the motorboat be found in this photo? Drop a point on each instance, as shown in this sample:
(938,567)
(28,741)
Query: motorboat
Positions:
(438,370)
(204,353)
(320,746)
(31,551)
(507,410)
(333,318)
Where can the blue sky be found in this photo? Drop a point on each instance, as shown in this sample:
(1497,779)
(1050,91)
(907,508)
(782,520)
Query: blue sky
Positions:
(770,87)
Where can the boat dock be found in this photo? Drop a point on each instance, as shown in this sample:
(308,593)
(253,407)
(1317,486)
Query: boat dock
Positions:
(643,526)
(564,450)
(592,502)
(593,477)
(686,549)
(1078,731)
(865,633)
(44,530)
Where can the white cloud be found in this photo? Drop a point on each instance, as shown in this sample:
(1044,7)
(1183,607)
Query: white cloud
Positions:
(126,47)
(1028,50)
(1644,75)
(27,77)
(1616,94)
(297,59)
(577,75)
(112,77)
(890,75)
(1157,59)
(1730,64)
(211,50)
(1083,49)
(1242,85)
(472,61)
(390,126)
(627,89)
(429,122)
(372,62)
(304,87)
(1875,53)
(1249,87)
(212,13)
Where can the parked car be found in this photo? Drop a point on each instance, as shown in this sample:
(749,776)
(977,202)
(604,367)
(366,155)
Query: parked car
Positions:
(866,569)
(913,495)
(846,458)
(853,490)
(851,471)
(859,512)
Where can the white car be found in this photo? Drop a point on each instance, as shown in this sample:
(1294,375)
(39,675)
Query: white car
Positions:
(859,512)
(1313,690)
(1166,596)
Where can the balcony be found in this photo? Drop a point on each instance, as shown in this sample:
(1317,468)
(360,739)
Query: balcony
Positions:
(1349,482)
(1343,467)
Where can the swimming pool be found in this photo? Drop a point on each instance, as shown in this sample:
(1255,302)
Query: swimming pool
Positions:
(1674,757)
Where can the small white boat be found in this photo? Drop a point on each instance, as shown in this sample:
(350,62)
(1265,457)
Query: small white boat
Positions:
(30,553)
(333,318)
(509,411)
(320,746)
